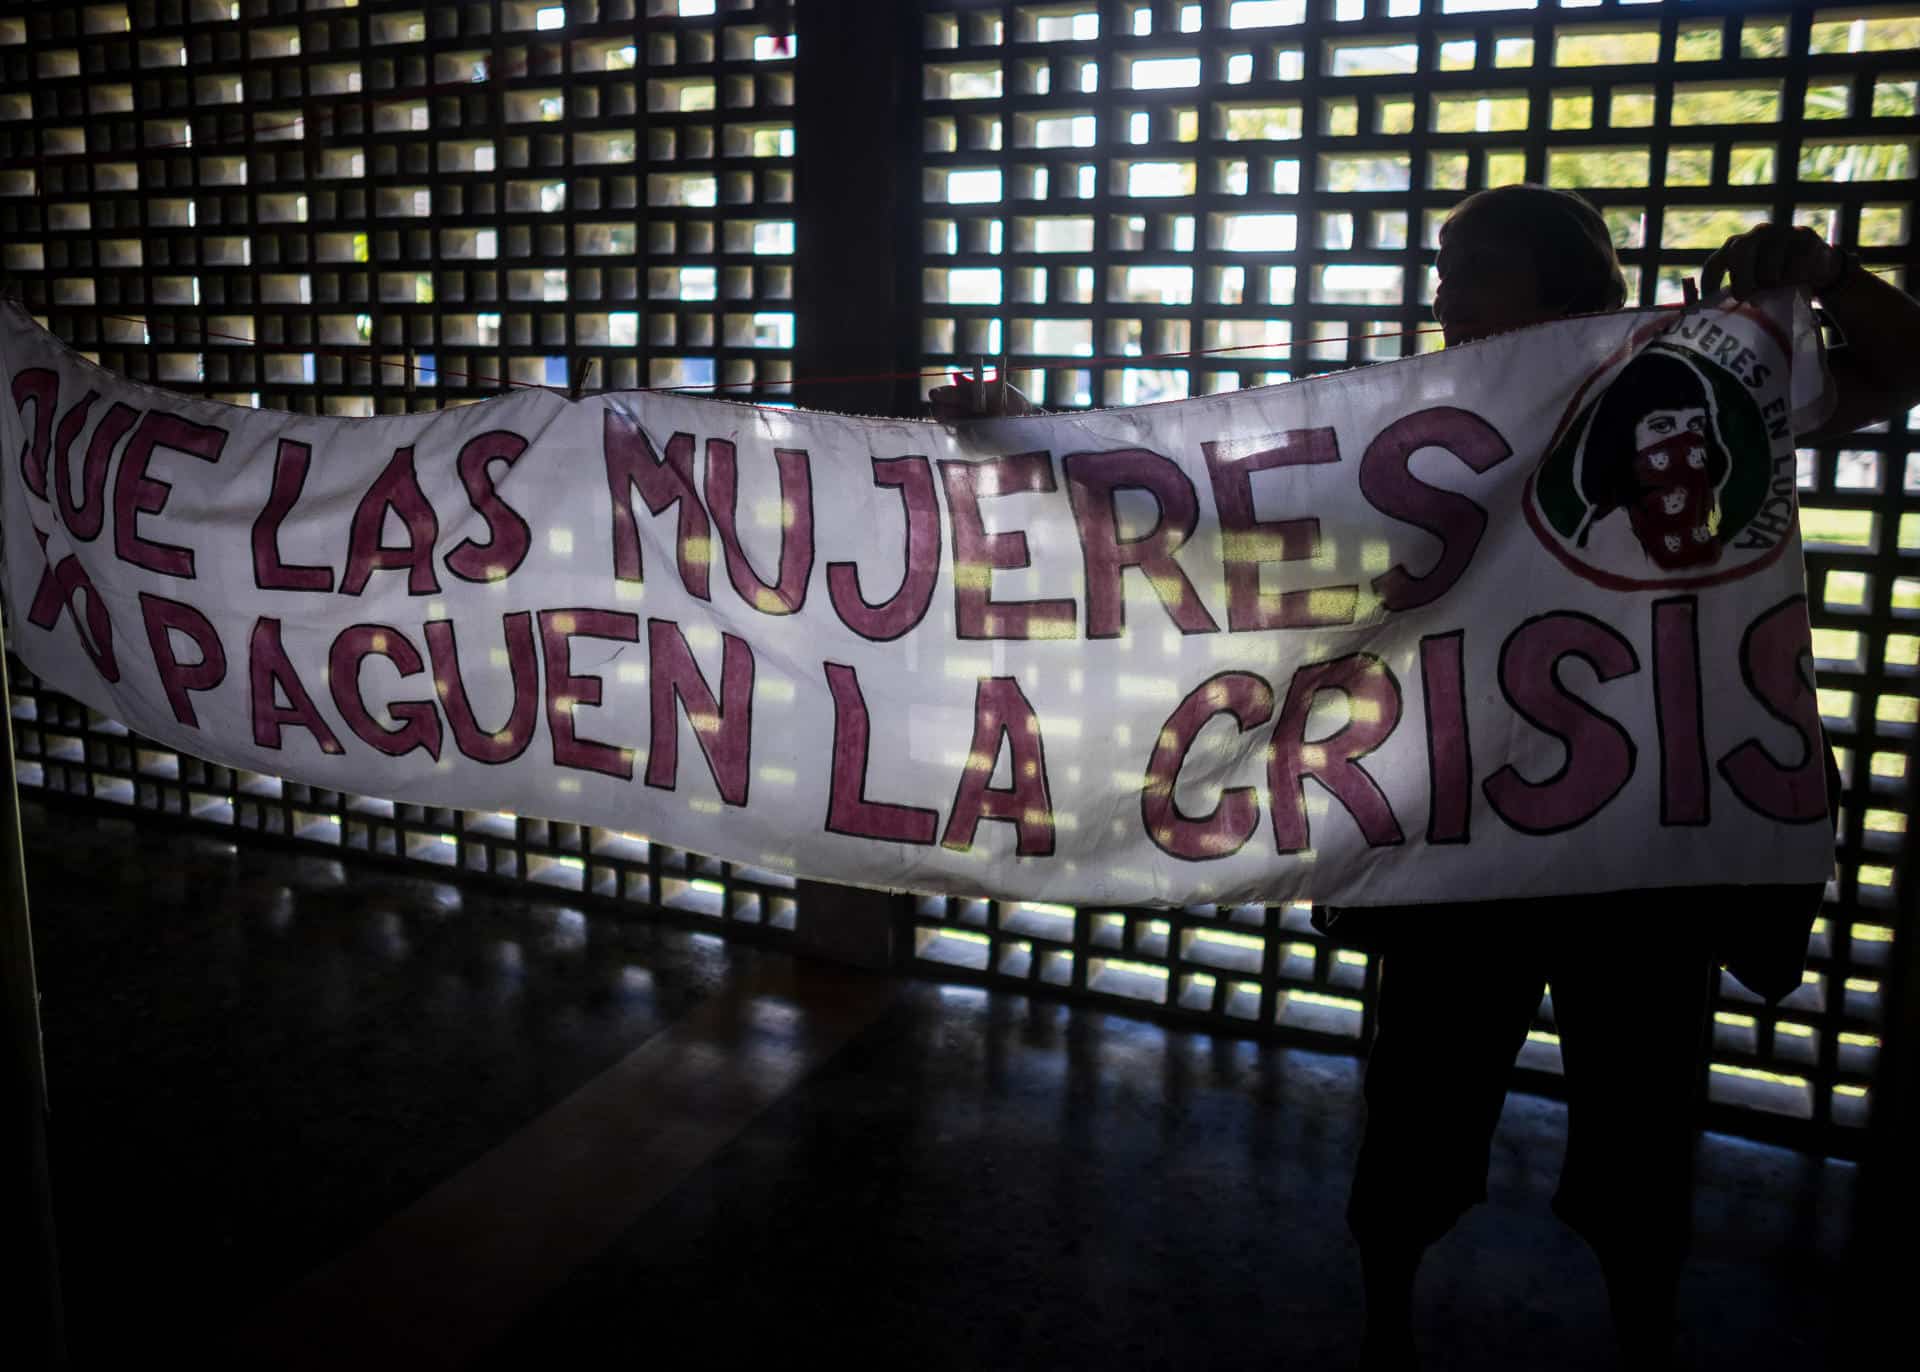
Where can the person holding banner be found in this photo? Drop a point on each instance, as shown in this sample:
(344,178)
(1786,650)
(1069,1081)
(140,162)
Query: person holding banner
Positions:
(1461,981)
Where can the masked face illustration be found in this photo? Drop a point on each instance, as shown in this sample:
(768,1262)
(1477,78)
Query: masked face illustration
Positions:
(1674,515)
(1660,479)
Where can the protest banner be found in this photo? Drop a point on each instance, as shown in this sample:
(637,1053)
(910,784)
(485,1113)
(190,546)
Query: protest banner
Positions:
(1517,618)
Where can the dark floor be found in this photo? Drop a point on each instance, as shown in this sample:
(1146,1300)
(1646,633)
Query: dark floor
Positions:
(257,1059)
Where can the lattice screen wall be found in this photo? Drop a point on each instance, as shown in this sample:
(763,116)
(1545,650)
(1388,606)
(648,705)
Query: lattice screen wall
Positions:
(343,209)
(346,209)
(1109,186)
(351,209)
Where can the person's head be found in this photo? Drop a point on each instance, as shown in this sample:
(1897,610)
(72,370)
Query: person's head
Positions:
(1518,255)
(1652,451)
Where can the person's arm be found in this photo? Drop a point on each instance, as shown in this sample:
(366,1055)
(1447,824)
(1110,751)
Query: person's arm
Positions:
(962,401)
(1878,372)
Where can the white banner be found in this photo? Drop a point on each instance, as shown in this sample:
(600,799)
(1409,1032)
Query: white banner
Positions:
(1517,618)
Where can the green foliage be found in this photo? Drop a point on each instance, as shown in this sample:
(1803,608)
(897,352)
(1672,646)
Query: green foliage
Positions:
(1706,227)
(1573,109)
(1884,33)
(1632,109)
(1690,166)
(1697,43)
(1480,112)
(1752,164)
(1260,123)
(1585,47)
(1384,172)
(1627,224)
(1726,103)
(1763,38)
(1844,528)
(1513,52)
(1579,168)
(1832,101)
(1447,171)
(1505,168)
(1393,114)
(1884,161)
(1896,97)
(1883,226)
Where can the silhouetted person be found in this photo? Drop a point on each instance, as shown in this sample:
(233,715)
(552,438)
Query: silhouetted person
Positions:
(1630,971)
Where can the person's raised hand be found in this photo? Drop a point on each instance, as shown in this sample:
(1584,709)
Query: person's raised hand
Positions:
(1774,255)
(966,400)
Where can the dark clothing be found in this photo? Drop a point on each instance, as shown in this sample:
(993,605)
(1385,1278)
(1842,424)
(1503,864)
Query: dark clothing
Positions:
(1459,988)
(1631,978)
(1758,933)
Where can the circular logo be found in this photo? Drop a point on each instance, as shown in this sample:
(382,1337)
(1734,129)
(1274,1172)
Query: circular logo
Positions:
(1669,475)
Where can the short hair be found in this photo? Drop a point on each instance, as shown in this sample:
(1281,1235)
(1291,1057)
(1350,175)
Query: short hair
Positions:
(1652,381)
(1579,269)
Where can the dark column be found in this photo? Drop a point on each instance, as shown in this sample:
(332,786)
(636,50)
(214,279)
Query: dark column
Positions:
(856,122)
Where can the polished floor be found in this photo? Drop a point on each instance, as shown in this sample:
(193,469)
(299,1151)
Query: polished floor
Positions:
(312,1113)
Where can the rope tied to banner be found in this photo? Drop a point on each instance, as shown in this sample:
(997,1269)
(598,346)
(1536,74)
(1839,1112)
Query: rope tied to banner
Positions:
(410,361)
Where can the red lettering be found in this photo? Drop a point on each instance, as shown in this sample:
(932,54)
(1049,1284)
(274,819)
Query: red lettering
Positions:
(848,809)
(510,740)
(1775,654)
(1251,543)
(1600,754)
(1443,691)
(1677,706)
(977,554)
(397,488)
(508,537)
(40,387)
(60,585)
(164,618)
(1373,709)
(270,675)
(135,493)
(290,464)
(787,595)
(1226,829)
(1093,479)
(723,727)
(891,618)
(1003,717)
(85,515)
(566,691)
(419,722)
(632,465)
(1389,485)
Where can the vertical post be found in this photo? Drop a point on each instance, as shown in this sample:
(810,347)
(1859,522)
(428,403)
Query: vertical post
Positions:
(37,1332)
(856,78)
(1889,1199)
(856,74)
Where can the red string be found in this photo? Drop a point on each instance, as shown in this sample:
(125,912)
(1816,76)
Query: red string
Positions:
(846,379)
(367,99)
(395,96)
